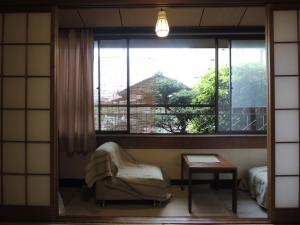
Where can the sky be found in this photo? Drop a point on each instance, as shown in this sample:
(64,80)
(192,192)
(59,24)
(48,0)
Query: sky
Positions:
(183,64)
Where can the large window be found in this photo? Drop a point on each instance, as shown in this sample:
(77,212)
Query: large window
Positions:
(179,86)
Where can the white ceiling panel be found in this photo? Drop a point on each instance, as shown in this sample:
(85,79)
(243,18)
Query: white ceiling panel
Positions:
(69,18)
(254,16)
(139,17)
(100,17)
(181,17)
(222,16)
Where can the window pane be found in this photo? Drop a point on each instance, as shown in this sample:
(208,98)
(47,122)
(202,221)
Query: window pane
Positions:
(113,85)
(167,77)
(223,86)
(172,86)
(96,85)
(172,120)
(113,118)
(249,86)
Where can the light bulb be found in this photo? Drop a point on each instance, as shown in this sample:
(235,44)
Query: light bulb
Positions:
(162,26)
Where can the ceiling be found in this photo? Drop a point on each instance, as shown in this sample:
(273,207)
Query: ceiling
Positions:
(177,17)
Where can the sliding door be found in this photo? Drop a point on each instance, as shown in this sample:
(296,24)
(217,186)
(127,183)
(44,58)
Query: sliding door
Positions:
(26,117)
(283,40)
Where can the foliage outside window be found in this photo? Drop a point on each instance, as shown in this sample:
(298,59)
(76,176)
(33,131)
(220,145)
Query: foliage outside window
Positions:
(180,86)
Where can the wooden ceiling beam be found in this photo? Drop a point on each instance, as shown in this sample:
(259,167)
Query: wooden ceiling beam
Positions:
(138,3)
(143,3)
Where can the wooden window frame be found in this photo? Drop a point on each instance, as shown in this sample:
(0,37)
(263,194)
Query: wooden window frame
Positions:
(240,138)
(185,141)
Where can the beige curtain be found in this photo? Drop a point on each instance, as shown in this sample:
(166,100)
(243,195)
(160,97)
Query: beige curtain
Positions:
(75,92)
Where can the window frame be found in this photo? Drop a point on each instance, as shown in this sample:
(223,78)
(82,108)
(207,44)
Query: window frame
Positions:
(258,137)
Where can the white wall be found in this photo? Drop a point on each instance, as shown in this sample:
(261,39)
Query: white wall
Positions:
(169,160)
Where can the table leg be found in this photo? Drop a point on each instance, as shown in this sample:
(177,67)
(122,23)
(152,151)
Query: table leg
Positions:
(182,173)
(216,181)
(234,191)
(190,191)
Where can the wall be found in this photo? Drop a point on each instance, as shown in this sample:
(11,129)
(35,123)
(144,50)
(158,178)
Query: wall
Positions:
(169,160)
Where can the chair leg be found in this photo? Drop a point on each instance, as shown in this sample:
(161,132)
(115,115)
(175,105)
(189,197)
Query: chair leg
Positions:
(154,203)
(159,204)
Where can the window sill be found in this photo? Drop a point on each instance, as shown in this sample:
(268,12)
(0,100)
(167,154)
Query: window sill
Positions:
(185,141)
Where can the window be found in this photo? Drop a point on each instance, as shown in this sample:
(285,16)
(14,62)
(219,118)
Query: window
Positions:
(179,86)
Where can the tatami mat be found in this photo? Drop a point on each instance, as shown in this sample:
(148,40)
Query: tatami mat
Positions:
(206,203)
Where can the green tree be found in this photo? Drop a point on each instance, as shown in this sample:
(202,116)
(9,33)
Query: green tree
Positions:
(171,93)
(205,94)
(249,90)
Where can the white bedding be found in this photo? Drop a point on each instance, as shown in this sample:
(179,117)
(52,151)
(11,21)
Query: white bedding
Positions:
(258,184)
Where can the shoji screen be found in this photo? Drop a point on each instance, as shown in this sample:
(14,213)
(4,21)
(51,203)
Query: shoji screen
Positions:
(284,68)
(26,135)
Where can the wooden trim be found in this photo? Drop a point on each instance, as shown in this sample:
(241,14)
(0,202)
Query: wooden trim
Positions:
(135,3)
(242,17)
(1,114)
(12,141)
(19,213)
(222,183)
(286,42)
(99,84)
(22,109)
(216,105)
(23,8)
(271,112)
(185,142)
(27,174)
(201,17)
(22,5)
(81,19)
(53,126)
(20,76)
(284,175)
(22,44)
(286,109)
(298,39)
(285,215)
(255,32)
(26,110)
(285,75)
(141,3)
(162,220)
(284,5)
(127,84)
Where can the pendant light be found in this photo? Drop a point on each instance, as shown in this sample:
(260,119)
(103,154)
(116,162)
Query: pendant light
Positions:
(162,26)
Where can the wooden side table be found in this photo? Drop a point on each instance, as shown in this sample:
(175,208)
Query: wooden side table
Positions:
(208,163)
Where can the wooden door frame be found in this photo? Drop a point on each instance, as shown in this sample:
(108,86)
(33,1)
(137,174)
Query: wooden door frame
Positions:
(15,5)
(277,215)
(161,219)
(27,212)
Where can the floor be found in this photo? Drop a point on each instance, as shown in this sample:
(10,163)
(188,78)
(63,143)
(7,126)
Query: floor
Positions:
(33,223)
(206,203)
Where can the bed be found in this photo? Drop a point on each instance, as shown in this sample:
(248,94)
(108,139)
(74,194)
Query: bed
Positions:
(116,175)
(257,184)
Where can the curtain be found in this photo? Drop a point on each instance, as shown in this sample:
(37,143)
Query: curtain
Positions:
(75,92)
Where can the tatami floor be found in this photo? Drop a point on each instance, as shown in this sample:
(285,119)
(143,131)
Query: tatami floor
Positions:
(206,203)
